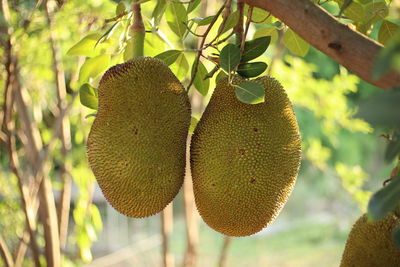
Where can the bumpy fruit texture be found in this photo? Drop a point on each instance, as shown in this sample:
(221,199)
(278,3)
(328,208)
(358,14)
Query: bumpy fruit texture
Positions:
(136,146)
(244,158)
(371,245)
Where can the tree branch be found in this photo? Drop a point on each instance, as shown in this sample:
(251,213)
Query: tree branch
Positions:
(5,253)
(65,133)
(349,48)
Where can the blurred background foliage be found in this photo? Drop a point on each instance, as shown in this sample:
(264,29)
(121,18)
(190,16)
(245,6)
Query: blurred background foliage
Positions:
(343,156)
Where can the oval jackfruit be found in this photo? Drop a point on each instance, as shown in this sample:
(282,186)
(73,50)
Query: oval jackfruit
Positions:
(370,244)
(136,146)
(244,158)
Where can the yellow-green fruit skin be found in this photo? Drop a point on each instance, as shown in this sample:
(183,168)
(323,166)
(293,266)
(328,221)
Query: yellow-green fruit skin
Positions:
(370,244)
(136,146)
(244,158)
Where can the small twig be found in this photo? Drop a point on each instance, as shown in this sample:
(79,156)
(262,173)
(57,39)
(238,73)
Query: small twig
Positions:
(199,53)
(116,17)
(249,13)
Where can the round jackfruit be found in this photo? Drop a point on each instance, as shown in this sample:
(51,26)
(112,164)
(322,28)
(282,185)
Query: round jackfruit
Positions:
(244,158)
(370,244)
(136,146)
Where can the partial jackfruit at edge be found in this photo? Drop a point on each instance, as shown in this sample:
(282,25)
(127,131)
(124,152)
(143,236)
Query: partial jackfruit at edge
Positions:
(244,158)
(370,244)
(136,146)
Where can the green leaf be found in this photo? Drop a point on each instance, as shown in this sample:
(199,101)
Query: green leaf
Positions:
(177,18)
(128,52)
(192,6)
(250,92)
(396,236)
(253,69)
(96,217)
(88,96)
(387,31)
(382,109)
(229,57)
(231,21)
(255,48)
(376,11)
(386,57)
(384,200)
(270,31)
(295,43)
(204,21)
(86,46)
(221,75)
(193,124)
(181,67)
(169,56)
(345,5)
(258,15)
(201,85)
(393,148)
(159,11)
(121,8)
(93,67)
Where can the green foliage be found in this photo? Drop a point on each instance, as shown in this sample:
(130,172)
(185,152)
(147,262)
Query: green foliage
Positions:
(252,69)
(229,57)
(200,82)
(88,96)
(255,48)
(295,43)
(385,200)
(250,92)
(169,56)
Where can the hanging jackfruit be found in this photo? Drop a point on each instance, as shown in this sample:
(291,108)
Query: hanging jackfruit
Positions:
(136,146)
(244,158)
(370,244)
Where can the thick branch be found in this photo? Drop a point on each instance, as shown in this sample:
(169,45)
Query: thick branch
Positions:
(65,134)
(348,47)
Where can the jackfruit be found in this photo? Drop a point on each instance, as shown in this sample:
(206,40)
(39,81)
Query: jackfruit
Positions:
(136,146)
(244,158)
(370,244)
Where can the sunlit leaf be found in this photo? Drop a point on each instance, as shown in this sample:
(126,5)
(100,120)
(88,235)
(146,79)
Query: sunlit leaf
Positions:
(252,69)
(181,67)
(93,67)
(376,11)
(383,109)
(96,217)
(385,200)
(387,31)
(255,48)
(88,96)
(221,75)
(159,11)
(231,21)
(169,56)
(258,15)
(250,92)
(295,43)
(86,46)
(229,57)
(120,9)
(177,18)
(192,6)
(201,84)
(270,31)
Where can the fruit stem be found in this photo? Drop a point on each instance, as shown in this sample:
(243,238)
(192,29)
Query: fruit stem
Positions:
(137,30)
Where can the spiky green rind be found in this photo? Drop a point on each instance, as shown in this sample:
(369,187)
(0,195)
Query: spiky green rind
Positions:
(244,158)
(136,146)
(370,244)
